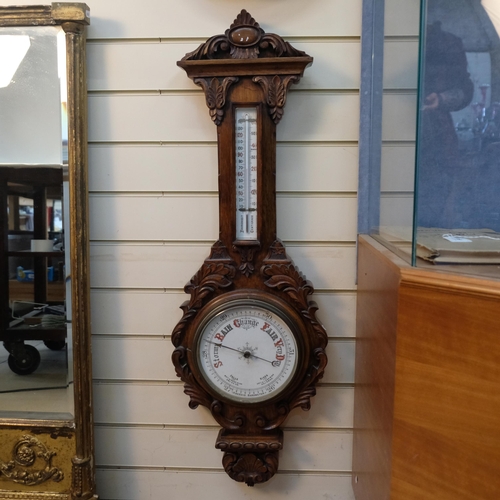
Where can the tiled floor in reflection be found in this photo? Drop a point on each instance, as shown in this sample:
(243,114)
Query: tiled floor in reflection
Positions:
(44,390)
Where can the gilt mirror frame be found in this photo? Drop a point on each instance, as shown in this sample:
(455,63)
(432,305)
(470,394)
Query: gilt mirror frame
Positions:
(42,458)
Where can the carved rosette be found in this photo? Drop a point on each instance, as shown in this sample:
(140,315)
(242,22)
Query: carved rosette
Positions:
(215,95)
(29,452)
(275,89)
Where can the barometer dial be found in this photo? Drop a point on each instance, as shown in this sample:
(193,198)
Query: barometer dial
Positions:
(247,352)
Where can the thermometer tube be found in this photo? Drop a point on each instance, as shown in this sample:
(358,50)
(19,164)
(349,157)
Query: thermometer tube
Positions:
(246,173)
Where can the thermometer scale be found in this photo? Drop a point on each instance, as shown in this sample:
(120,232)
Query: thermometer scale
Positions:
(246,173)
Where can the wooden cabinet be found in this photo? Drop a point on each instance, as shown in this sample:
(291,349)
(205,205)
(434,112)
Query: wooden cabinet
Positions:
(427,399)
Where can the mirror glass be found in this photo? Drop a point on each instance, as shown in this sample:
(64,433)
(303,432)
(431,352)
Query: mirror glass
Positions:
(35,310)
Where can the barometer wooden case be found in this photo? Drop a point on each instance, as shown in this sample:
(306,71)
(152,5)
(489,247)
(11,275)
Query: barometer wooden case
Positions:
(248,346)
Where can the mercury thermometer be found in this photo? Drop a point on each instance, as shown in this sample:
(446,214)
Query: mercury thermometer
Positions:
(246,173)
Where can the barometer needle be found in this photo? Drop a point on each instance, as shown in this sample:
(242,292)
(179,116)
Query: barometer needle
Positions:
(247,354)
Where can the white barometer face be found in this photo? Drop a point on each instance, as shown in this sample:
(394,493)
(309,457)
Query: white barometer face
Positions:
(247,352)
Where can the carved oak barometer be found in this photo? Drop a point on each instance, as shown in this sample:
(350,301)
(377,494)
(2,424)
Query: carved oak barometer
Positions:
(248,346)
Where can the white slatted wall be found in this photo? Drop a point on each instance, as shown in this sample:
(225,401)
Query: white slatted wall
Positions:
(399,113)
(153,204)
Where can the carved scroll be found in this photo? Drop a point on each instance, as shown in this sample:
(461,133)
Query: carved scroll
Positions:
(282,274)
(250,468)
(216,273)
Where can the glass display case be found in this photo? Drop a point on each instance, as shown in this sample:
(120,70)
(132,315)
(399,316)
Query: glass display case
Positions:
(427,373)
(434,167)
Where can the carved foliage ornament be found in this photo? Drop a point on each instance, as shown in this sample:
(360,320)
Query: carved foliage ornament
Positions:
(276,89)
(250,468)
(215,95)
(28,455)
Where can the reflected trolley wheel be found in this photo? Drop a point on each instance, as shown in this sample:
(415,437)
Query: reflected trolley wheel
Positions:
(55,345)
(25,362)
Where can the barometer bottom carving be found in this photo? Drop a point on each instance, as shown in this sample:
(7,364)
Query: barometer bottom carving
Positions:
(248,459)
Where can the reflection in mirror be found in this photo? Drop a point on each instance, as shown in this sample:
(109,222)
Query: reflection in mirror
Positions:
(33,95)
(35,307)
(46,423)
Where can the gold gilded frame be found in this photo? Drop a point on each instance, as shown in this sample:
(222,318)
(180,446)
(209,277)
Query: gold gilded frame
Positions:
(64,448)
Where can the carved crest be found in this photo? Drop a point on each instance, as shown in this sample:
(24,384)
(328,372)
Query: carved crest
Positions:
(244,39)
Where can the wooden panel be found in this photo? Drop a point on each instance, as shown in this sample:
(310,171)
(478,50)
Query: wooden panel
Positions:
(174,447)
(425,426)
(115,18)
(18,290)
(400,64)
(185,117)
(135,65)
(141,217)
(446,436)
(375,365)
(167,404)
(193,167)
(398,117)
(156,312)
(132,484)
(143,265)
(117,358)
